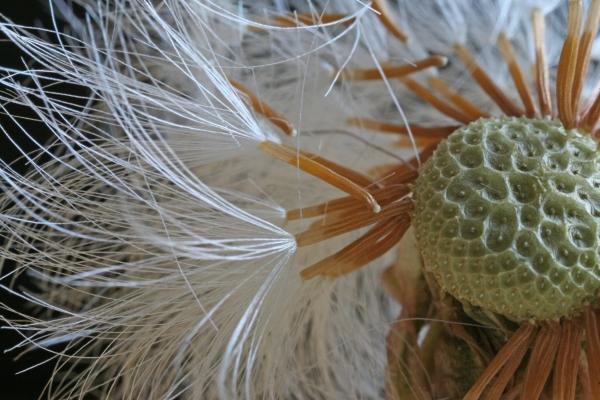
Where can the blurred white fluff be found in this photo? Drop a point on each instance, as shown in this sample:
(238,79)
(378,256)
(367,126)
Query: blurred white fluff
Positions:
(154,226)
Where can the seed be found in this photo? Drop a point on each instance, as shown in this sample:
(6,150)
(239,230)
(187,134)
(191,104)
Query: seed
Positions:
(525,239)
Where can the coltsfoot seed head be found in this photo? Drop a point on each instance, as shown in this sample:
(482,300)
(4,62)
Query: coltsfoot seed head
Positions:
(507,214)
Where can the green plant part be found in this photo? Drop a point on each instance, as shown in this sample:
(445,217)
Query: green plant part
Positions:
(507,215)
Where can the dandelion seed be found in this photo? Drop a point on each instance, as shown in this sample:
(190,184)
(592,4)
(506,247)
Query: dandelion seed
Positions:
(194,237)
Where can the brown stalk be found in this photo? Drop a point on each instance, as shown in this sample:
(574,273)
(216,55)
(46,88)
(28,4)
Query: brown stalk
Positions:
(567,361)
(373,244)
(584,379)
(421,141)
(513,393)
(510,58)
(309,19)
(567,64)
(462,103)
(438,104)
(541,361)
(541,65)
(486,83)
(583,56)
(264,109)
(391,174)
(393,71)
(592,331)
(585,109)
(419,135)
(297,159)
(376,248)
(519,339)
(346,222)
(441,132)
(399,173)
(507,372)
(386,18)
(348,204)
(593,115)
(354,176)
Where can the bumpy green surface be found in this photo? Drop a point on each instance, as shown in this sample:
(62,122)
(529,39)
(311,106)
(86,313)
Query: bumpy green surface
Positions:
(507,217)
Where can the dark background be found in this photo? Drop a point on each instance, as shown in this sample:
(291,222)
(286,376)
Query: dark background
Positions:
(28,385)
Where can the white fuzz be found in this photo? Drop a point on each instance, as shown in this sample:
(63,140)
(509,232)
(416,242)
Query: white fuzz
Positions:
(155,227)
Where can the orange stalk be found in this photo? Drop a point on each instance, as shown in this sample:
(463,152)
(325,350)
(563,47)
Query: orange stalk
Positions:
(591,117)
(441,132)
(317,169)
(405,142)
(438,104)
(407,171)
(567,64)
(308,19)
(541,65)
(508,372)
(462,103)
(509,56)
(393,71)
(518,340)
(302,19)
(541,361)
(592,331)
(354,176)
(584,110)
(377,247)
(486,83)
(376,242)
(584,379)
(347,204)
(567,361)
(421,135)
(347,222)
(583,55)
(386,18)
(264,109)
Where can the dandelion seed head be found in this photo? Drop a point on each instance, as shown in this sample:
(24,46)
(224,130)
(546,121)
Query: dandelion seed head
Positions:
(518,227)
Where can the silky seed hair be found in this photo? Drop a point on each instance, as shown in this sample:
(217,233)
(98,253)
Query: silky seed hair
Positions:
(179,257)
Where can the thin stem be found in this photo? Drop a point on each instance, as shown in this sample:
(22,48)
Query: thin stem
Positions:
(334,178)
(541,65)
(592,331)
(463,104)
(308,19)
(349,204)
(438,104)
(393,71)
(486,83)
(345,222)
(509,56)
(567,64)
(541,361)
(376,242)
(567,361)
(518,340)
(386,18)
(507,373)
(264,109)
(583,56)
